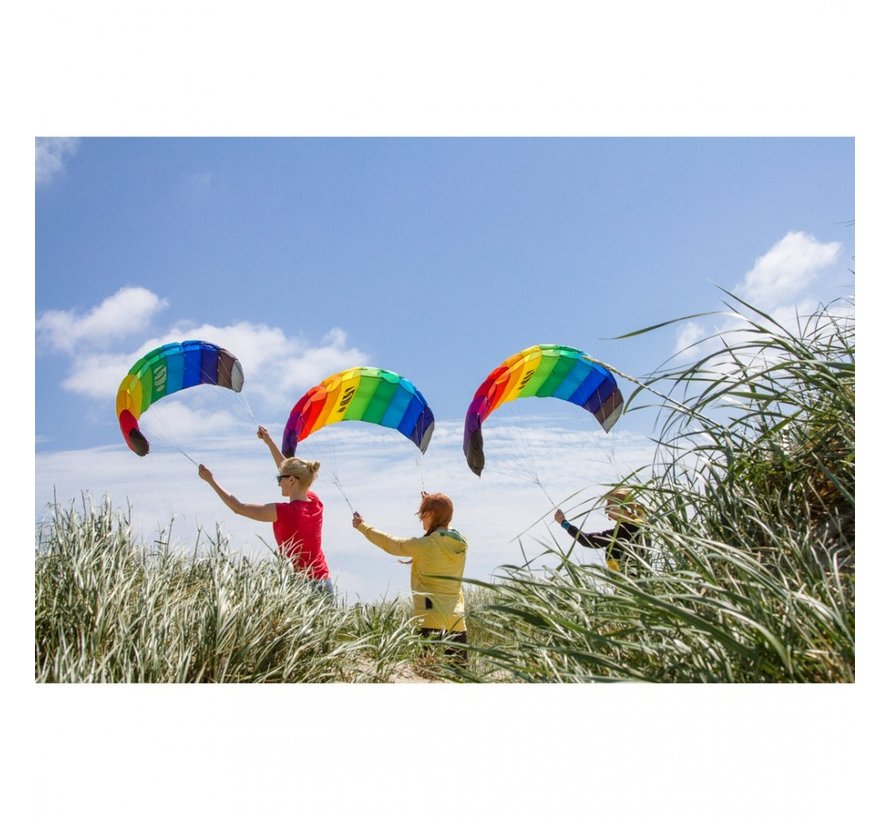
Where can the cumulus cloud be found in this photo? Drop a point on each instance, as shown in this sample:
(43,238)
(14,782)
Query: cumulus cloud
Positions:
(277,368)
(257,346)
(785,282)
(690,333)
(97,376)
(128,311)
(786,270)
(181,422)
(51,155)
(316,363)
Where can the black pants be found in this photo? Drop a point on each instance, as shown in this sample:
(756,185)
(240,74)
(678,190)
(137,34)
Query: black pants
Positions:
(456,643)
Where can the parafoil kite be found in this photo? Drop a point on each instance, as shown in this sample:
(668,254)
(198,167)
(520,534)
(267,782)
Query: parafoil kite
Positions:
(542,370)
(361,394)
(165,370)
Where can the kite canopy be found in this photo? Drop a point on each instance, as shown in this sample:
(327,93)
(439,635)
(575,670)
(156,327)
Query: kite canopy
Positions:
(168,369)
(542,370)
(361,394)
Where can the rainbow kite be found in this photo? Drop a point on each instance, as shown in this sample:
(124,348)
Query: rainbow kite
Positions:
(542,370)
(361,394)
(165,370)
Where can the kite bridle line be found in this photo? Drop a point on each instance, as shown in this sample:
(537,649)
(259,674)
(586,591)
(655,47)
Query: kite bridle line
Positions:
(246,405)
(189,457)
(553,507)
(331,467)
(517,432)
(335,478)
(162,427)
(333,470)
(418,459)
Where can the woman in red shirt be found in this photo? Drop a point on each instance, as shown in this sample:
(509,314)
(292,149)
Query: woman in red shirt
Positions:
(297,523)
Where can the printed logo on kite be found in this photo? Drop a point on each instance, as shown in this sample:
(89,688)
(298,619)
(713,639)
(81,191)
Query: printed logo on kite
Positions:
(160,378)
(542,370)
(168,369)
(361,394)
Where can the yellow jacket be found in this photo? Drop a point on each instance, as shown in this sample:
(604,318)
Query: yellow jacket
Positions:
(438,600)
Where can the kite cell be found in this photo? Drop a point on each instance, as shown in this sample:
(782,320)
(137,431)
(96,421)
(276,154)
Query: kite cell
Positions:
(542,370)
(361,394)
(168,369)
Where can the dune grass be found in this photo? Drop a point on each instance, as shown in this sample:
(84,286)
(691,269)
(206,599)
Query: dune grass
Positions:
(107,610)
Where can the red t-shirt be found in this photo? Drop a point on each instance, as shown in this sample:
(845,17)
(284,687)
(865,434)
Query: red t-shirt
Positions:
(298,533)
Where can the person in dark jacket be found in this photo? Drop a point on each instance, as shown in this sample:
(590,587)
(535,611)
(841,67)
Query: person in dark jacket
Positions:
(616,541)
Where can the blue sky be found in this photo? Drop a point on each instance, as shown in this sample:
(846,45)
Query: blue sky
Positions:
(435,258)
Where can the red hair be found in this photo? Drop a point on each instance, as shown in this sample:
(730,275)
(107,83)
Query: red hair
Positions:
(440,507)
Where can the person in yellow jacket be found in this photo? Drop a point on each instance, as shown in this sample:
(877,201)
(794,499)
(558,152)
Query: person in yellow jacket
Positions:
(437,566)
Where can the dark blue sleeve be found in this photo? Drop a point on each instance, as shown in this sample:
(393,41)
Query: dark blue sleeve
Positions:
(594,540)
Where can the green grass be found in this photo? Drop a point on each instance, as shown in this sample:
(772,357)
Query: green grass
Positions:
(748,574)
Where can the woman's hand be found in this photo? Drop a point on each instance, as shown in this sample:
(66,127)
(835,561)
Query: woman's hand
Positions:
(204,473)
(357,519)
(263,434)
(559,517)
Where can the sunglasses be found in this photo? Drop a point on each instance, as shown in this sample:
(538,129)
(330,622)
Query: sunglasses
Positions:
(280,478)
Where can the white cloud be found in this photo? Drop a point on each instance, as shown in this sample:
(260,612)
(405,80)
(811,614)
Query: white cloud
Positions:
(98,376)
(257,346)
(50,155)
(785,282)
(128,311)
(786,270)
(690,334)
(277,368)
(315,364)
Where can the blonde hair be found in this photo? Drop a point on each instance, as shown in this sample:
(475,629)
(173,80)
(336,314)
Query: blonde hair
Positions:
(303,471)
(623,497)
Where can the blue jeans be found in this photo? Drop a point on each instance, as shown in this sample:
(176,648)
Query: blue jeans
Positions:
(325,587)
